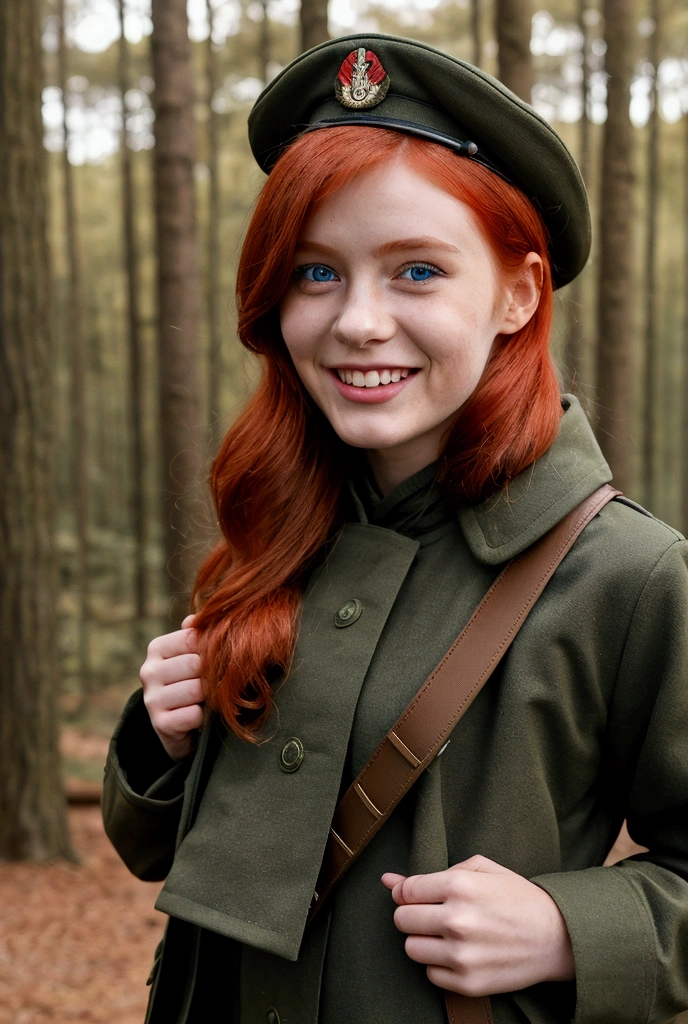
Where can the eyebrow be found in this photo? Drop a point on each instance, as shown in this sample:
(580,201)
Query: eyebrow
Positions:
(403,244)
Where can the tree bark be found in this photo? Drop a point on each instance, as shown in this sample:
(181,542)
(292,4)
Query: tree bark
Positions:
(75,343)
(615,291)
(652,354)
(684,425)
(577,359)
(513,19)
(178,296)
(264,44)
(137,364)
(213,242)
(476,34)
(313,23)
(32,806)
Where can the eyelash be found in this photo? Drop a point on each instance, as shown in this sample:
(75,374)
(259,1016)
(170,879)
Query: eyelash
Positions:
(423,266)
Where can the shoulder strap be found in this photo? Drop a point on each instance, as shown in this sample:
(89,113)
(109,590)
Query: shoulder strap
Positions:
(424,726)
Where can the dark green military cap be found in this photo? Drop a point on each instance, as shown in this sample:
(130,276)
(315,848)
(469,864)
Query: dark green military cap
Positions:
(401,84)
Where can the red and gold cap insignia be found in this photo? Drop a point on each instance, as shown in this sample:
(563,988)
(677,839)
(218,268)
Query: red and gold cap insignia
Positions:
(362,81)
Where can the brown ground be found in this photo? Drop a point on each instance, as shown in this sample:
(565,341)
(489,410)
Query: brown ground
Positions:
(76,941)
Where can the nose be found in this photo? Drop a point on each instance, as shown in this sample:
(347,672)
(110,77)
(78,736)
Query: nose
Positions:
(363,318)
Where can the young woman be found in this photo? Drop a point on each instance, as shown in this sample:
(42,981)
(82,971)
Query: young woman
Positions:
(407,439)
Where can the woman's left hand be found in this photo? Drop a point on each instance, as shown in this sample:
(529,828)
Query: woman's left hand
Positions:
(481,929)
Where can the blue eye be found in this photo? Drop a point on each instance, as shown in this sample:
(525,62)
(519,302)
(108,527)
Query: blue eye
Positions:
(317,272)
(419,272)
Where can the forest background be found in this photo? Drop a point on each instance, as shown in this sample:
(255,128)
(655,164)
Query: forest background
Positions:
(111,514)
(121,368)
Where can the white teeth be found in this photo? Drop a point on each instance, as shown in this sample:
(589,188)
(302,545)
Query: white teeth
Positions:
(372,378)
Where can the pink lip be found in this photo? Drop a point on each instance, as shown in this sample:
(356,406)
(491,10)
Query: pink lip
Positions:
(369,396)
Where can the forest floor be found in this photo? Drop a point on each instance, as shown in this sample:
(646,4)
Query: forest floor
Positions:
(77,940)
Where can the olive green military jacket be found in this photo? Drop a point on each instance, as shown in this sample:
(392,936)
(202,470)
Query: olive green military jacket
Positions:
(585,723)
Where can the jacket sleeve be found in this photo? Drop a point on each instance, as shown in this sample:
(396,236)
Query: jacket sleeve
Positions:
(143,792)
(629,923)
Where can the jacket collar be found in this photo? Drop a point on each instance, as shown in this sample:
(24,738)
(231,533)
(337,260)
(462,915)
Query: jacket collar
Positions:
(539,497)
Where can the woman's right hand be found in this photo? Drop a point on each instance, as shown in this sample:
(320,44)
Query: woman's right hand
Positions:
(172,689)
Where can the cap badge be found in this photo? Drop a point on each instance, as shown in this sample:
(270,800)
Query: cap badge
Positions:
(362,81)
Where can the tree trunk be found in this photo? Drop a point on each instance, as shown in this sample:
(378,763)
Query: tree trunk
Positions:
(684,461)
(513,20)
(476,34)
(33,822)
(178,295)
(652,354)
(137,364)
(313,22)
(615,294)
(75,343)
(213,276)
(264,44)
(577,368)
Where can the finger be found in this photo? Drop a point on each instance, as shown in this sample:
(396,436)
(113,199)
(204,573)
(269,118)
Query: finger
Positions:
(452,981)
(430,888)
(180,721)
(184,693)
(428,950)
(169,645)
(479,863)
(390,879)
(189,621)
(174,670)
(422,919)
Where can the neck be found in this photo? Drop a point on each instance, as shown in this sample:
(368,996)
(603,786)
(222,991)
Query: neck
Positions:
(391,466)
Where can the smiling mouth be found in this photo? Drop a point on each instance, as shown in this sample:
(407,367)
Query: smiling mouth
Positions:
(372,378)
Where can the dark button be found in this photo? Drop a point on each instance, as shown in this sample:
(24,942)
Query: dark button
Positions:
(348,613)
(291,756)
(272,1016)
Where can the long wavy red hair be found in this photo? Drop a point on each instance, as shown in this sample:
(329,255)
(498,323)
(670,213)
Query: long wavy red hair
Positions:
(277,478)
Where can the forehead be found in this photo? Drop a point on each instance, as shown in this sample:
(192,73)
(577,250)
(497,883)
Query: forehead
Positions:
(390,199)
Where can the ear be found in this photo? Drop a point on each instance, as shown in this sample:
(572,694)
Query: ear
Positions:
(523,296)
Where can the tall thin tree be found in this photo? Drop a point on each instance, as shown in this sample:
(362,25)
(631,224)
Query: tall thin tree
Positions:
(313,23)
(32,807)
(476,34)
(264,45)
(77,362)
(213,284)
(577,368)
(513,24)
(137,363)
(652,354)
(178,294)
(684,425)
(615,283)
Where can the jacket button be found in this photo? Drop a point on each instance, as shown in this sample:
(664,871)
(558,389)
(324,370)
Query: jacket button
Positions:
(348,613)
(272,1016)
(291,756)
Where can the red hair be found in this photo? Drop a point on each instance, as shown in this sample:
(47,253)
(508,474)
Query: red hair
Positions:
(277,478)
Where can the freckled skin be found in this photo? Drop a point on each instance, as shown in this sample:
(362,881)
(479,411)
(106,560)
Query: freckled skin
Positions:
(434,307)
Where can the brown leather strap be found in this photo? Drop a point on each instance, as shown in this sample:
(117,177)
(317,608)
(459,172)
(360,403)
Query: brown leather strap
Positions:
(462,1010)
(424,726)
